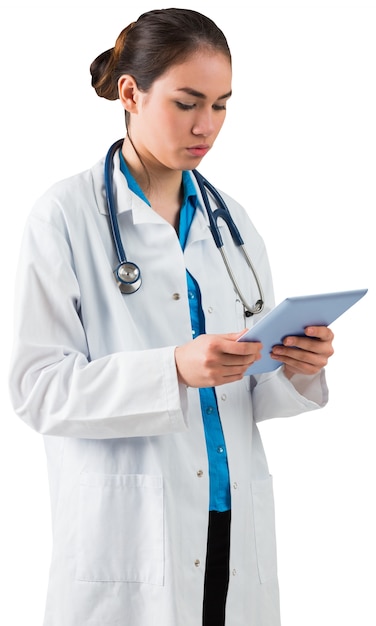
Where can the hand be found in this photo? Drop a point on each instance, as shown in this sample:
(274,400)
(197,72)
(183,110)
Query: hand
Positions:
(305,355)
(211,360)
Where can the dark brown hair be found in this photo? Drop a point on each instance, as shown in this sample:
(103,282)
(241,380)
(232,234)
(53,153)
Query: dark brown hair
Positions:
(150,46)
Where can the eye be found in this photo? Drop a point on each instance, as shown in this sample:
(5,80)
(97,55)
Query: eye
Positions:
(184,107)
(219,107)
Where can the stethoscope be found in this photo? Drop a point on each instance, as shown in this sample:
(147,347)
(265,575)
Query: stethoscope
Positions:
(127,273)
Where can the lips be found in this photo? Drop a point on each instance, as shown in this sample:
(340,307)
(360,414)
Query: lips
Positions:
(199,151)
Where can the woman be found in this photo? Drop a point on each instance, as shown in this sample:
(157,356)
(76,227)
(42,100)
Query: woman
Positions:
(162,503)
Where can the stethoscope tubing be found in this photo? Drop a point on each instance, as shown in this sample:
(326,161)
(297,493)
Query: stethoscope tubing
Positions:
(130,286)
(111,201)
(223,213)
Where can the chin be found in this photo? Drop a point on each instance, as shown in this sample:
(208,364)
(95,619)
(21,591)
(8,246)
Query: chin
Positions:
(191,163)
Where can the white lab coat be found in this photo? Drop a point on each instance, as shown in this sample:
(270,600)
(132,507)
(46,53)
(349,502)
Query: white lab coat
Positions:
(93,371)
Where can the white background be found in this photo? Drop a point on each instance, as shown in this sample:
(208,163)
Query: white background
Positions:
(299,151)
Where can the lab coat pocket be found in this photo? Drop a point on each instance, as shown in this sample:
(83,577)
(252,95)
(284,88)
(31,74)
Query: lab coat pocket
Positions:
(120,529)
(264,527)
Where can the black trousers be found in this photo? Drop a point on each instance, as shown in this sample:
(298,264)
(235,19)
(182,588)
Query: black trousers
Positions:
(217,569)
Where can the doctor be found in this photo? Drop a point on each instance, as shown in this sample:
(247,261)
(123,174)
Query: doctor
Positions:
(162,502)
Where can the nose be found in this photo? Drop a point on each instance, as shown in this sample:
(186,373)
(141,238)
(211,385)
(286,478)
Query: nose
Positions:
(204,124)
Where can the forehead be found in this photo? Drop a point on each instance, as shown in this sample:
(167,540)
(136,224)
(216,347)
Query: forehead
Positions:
(204,71)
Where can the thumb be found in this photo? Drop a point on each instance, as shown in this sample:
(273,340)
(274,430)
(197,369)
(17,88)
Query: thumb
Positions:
(234,336)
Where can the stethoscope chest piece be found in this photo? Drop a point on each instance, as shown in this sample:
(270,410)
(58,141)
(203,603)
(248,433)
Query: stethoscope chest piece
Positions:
(128,277)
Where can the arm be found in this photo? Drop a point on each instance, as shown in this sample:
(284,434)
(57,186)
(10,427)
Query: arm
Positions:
(56,386)
(299,385)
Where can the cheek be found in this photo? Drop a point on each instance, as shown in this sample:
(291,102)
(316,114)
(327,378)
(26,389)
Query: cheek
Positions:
(173,133)
(219,124)
(169,126)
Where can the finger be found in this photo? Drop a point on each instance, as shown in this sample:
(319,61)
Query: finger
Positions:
(321,332)
(305,361)
(236,346)
(240,347)
(235,360)
(313,345)
(234,336)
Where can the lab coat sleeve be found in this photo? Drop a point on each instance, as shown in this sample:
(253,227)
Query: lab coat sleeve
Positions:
(55,387)
(274,395)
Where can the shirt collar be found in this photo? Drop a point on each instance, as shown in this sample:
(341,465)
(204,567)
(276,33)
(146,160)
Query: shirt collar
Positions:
(189,204)
(132,182)
(190,192)
(188,208)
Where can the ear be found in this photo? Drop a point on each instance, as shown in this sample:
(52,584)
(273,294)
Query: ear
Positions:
(128,93)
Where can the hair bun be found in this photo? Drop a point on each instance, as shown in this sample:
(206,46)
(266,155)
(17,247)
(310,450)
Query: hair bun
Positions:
(102,75)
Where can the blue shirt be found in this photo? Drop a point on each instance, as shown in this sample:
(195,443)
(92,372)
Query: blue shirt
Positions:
(219,497)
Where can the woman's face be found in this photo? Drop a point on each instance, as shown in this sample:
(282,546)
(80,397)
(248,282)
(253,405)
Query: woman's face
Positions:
(177,121)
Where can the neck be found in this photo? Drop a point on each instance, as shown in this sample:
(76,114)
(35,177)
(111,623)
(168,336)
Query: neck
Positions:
(161,185)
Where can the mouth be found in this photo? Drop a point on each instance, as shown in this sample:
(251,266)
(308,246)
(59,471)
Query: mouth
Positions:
(199,151)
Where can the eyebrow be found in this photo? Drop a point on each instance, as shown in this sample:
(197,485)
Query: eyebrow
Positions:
(198,94)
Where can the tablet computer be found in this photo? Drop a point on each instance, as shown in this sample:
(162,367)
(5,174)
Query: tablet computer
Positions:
(292,316)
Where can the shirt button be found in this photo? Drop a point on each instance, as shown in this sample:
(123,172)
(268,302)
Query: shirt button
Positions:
(200,473)
(191,295)
(209,410)
(197,563)
(176,296)
(220,449)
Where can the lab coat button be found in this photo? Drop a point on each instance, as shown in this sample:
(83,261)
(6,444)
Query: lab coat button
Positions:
(235,485)
(223,397)
(197,563)
(210,309)
(176,296)
(200,473)
(234,572)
